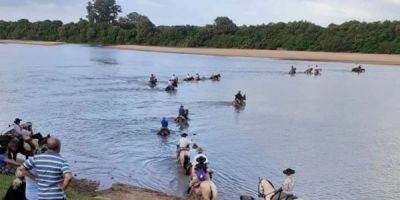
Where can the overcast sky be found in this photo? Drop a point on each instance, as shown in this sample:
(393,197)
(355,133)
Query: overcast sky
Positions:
(201,12)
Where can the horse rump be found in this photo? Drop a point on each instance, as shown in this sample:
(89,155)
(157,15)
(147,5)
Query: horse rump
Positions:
(242,197)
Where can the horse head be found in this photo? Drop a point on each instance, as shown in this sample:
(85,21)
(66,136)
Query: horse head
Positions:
(265,189)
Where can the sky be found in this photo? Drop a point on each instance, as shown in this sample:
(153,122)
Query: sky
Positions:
(201,12)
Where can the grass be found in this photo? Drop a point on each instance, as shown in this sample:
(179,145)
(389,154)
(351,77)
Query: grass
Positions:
(5,182)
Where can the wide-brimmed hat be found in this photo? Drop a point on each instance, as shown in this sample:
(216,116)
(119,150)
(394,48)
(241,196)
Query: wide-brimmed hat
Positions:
(288,171)
(194,146)
(184,135)
(201,159)
(17,120)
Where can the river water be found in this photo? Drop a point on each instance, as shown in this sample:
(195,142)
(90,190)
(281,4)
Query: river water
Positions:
(339,131)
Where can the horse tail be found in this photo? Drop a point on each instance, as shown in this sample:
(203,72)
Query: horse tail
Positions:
(185,161)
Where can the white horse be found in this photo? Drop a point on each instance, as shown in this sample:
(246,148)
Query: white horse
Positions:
(206,190)
(267,191)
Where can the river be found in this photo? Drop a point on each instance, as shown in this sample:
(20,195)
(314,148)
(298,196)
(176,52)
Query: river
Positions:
(339,131)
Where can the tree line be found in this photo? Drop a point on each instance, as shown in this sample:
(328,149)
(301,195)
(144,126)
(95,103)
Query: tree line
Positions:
(103,26)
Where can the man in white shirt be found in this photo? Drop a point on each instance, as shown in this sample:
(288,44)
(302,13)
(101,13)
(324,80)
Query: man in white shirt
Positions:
(286,190)
(17,127)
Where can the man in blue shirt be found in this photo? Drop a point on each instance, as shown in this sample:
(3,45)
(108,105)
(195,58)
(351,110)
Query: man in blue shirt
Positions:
(164,123)
(4,160)
(53,172)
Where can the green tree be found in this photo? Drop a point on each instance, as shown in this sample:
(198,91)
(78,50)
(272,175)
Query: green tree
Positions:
(224,25)
(102,11)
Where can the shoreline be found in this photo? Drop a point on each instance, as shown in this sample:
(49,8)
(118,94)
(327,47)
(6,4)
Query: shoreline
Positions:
(84,189)
(362,58)
(354,58)
(31,42)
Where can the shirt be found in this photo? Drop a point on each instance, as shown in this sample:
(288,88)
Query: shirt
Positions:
(17,129)
(51,167)
(288,185)
(2,161)
(31,189)
(164,123)
(184,142)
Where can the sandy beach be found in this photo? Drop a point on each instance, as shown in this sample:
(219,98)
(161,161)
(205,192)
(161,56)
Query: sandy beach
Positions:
(382,59)
(127,192)
(31,42)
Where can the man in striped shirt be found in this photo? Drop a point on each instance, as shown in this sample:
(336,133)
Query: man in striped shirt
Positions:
(53,172)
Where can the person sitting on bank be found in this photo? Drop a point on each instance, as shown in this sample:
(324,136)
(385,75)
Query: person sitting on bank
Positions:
(286,190)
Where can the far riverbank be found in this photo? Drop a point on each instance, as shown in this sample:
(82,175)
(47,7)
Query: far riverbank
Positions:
(383,59)
(31,42)
(361,58)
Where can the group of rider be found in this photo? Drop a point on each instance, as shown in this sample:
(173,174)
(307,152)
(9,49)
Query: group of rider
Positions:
(173,81)
(316,71)
(19,134)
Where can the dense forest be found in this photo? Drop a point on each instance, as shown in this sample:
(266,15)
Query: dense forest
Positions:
(103,26)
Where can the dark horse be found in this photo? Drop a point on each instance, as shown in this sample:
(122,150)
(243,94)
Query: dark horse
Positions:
(164,132)
(358,69)
(189,79)
(215,77)
(175,82)
(170,88)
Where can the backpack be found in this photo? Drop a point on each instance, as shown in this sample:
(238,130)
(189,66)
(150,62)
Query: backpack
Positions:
(201,174)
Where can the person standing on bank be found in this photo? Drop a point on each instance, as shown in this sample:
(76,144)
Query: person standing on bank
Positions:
(53,172)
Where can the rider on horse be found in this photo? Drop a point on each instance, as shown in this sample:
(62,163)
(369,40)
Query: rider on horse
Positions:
(239,98)
(286,190)
(201,172)
(183,144)
(153,78)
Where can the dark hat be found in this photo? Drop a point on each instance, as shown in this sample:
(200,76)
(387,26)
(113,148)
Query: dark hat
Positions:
(184,135)
(17,120)
(201,159)
(288,171)
(195,146)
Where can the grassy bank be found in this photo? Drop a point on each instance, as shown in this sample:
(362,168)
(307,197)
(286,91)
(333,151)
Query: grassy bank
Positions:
(7,180)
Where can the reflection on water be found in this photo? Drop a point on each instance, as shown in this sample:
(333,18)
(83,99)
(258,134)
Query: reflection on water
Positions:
(339,131)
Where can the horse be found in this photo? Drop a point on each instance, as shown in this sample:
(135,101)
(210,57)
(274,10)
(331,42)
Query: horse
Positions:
(292,71)
(183,158)
(239,103)
(308,71)
(189,79)
(175,82)
(170,88)
(215,77)
(25,147)
(153,82)
(317,72)
(358,69)
(267,191)
(164,132)
(206,190)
